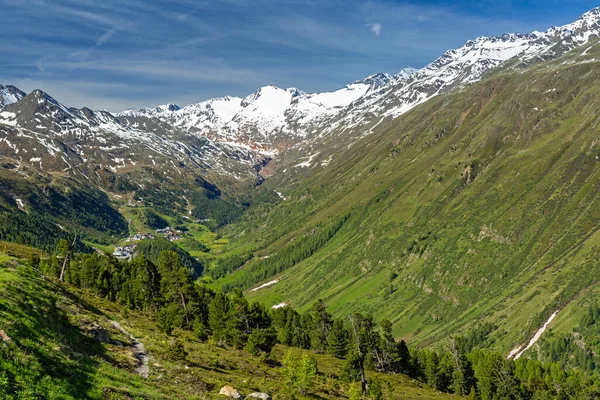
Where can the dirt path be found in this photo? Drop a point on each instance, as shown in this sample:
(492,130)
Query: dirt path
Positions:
(139,352)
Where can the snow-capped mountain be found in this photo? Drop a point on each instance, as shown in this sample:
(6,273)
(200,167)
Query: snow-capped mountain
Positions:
(466,65)
(237,136)
(39,130)
(273,119)
(10,94)
(266,120)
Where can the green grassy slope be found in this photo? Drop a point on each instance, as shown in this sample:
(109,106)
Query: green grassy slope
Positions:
(47,351)
(480,206)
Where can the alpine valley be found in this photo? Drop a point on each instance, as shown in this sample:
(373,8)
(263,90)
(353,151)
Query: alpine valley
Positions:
(456,207)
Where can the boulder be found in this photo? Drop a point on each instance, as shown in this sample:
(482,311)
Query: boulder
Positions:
(258,395)
(99,333)
(4,337)
(230,392)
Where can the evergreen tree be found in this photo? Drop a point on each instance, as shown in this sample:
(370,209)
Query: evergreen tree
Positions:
(261,340)
(388,354)
(141,285)
(176,351)
(463,378)
(238,320)
(375,389)
(218,311)
(199,329)
(338,339)
(359,349)
(431,368)
(176,285)
(169,318)
(300,371)
(65,249)
(403,363)
(258,316)
(308,373)
(321,326)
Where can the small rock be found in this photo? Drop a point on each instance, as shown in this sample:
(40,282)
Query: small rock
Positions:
(99,333)
(262,396)
(230,392)
(4,337)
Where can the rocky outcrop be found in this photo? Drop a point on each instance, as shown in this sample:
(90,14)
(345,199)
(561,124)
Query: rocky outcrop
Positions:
(99,333)
(258,395)
(230,392)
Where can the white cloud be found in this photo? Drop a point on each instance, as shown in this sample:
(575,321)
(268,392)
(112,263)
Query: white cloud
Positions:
(375,28)
(105,37)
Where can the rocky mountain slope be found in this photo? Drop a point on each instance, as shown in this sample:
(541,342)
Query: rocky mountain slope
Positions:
(161,154)
(39,130)
(10,94)
(237,136)
(274,120)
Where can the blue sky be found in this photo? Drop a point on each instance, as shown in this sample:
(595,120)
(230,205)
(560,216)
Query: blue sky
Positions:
(117,54)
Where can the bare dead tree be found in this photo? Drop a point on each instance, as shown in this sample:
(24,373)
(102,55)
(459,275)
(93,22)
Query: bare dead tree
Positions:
(67,257)
(360,353)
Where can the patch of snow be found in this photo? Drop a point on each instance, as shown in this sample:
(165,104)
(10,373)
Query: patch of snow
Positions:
(265,285)
(306,163)
(517,353)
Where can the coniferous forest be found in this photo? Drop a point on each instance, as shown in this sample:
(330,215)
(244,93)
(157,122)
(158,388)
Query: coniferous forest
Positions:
(166,290)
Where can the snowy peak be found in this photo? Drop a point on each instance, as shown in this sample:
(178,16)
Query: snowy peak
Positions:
(171,107)
(406,73)
(10,94)
(151,112)
(272,120)
(376,81)
(39,102)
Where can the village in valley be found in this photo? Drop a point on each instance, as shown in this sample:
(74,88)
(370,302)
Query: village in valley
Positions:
(126,252)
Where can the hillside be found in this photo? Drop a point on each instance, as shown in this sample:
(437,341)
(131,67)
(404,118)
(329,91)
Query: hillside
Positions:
(60,342)
(206,160)
(476,207)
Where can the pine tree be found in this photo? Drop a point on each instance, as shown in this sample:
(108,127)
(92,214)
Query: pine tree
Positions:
(199,329)
(218,311)
(402,363)
(176,285)
(300,371)
(308,371)
(388,350)
(359,348)
(338,339)
(66,249)
(463,378)
(258,316)
(431,365)
(375,389)
(169,318)
(238,320)
(261,340)
(321,325)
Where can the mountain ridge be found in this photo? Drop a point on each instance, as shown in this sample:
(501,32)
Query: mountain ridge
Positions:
(286,125)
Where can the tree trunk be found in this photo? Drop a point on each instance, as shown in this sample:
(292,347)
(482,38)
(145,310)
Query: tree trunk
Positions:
(363,378)
(67,255)
(187,319)
(64,266)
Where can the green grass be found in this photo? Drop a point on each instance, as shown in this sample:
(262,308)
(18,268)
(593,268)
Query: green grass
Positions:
(19,250)
(507,247)
(50,355)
